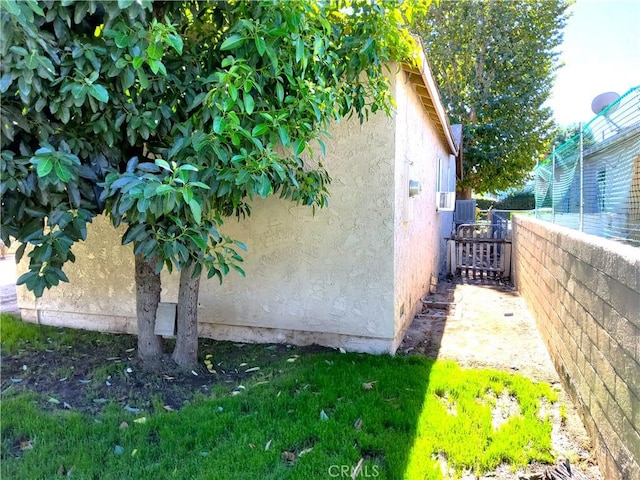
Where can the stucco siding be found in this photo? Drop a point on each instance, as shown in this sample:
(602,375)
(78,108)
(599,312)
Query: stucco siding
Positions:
(331,272)
(323,279)
(417,227)
(101,282)
(350,276)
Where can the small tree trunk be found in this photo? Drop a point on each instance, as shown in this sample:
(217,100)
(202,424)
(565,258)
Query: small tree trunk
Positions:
(465,193)
(185,353)
(148,287)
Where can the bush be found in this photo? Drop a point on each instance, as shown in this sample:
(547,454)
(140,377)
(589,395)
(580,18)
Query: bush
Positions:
(517,201)
(485,203)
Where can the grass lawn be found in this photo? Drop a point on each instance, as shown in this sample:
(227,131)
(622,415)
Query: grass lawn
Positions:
(301,415)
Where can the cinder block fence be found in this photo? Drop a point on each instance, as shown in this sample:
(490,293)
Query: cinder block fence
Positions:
(584,292)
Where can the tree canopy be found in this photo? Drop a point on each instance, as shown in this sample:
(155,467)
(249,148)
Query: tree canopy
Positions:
(494,62)
(172,116)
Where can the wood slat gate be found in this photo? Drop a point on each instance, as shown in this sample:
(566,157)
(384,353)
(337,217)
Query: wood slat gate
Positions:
(480,250)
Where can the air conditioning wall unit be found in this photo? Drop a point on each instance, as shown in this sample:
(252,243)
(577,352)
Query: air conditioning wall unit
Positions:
(445,201)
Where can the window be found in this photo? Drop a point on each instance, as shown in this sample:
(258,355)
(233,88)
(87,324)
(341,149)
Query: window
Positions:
(601,189)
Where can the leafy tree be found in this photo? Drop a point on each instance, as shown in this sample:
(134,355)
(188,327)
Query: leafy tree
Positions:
(494,62)
(571,133)
(171,117)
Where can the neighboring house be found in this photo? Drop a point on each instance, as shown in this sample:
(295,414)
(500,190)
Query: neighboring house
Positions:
(612,186)
(351,276)
(608,180)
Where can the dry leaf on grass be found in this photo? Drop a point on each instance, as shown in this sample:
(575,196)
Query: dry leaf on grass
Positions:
(288,457)
(25,444)
(356,469)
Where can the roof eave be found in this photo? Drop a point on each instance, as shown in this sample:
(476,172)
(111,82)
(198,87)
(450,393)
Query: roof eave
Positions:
(425,87)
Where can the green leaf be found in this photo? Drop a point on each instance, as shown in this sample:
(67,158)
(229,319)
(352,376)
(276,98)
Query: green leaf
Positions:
(299,49)
(219,125)
(233,42)
(136,62)
(187,194)
(233,92)
(154,51)
(369,44)
(5,82)
(44,167)
(122,40)
(199,141)
(164,188)
(280,92)
(284,137)
(162,164)
(264,186)
(128,78)
(196,210)
(249,103)
(62,172)
(32,60)
(157,66)
(261,46)
(238,269)
(99,93)
(298,147)
(199,241)
(175,41)
(323,147)
(260,129)
(65,115)
(200,185)
(144,81)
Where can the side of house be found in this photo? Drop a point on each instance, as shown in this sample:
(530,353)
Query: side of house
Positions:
(425,155)
(351,275)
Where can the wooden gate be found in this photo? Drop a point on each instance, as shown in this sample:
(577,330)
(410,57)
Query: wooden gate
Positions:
(480,249)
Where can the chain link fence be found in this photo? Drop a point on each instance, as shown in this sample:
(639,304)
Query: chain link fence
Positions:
(592,181)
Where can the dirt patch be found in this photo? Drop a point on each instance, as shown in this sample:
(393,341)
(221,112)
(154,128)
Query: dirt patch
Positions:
(485,324)
(88,377)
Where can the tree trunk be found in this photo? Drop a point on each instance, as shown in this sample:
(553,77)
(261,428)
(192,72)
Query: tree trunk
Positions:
(148,288)
(464,193)
(185,353)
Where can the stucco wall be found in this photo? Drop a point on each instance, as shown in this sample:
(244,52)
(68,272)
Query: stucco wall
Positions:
(417,223)
(101,289)
(584,292)
(351,276)
(330,273)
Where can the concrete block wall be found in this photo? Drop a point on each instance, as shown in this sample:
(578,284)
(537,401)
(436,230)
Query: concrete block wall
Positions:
(584,292)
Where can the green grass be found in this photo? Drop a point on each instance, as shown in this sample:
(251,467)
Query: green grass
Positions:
(19,336)
(415,409)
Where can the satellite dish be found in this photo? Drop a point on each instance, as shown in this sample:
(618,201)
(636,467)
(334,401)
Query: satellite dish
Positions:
(603,100)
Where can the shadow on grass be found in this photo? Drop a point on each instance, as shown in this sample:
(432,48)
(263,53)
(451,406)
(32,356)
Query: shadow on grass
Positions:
(304,414)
